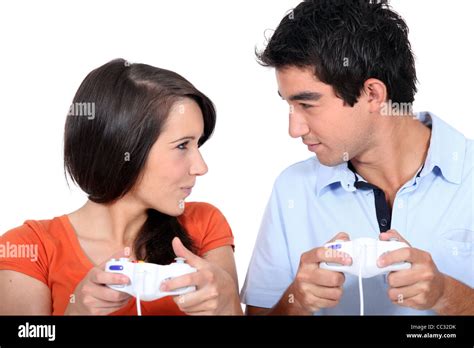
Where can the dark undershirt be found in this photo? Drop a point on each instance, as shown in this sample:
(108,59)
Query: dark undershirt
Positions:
(382,208)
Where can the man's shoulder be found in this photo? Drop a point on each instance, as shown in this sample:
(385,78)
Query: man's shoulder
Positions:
(468,170)
(300,170)
(470,152)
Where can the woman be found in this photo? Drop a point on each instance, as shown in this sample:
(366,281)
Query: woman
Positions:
(136,155)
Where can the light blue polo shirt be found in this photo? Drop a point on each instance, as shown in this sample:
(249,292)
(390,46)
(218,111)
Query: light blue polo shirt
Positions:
(310,203)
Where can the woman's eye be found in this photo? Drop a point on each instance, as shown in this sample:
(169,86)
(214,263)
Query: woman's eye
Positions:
(183,146)
(306,106)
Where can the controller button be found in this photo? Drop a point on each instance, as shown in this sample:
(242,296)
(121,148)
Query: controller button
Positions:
(116,268)
(180,259)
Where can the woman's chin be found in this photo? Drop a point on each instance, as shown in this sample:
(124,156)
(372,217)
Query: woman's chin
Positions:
(171,210)
(176,213)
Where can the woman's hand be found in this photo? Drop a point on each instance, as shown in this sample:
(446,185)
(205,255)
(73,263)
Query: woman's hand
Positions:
(216,290)
(93,297)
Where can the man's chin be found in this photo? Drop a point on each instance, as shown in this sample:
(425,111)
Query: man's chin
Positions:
(330,162)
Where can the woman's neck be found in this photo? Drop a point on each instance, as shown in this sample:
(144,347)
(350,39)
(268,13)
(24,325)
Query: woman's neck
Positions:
(117,223)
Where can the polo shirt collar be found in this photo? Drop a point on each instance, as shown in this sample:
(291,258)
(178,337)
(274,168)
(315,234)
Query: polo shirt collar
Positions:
(447,149)
(446,152)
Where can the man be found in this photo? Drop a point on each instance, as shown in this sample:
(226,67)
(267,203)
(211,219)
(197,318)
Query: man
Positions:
(380,171)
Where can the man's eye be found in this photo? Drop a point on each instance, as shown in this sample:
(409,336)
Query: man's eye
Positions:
(183,145)
(306,106)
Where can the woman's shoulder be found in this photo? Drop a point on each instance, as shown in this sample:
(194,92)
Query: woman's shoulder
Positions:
(31,247)
(201,214)
(34,231)
(200,209)
(207,225)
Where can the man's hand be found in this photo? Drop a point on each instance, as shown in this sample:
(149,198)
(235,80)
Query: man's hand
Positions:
(315,288)
(419,287)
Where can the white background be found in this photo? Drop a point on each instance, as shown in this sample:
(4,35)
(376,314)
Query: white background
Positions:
(48,47)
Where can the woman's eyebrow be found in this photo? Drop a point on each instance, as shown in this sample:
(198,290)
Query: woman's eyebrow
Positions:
(184,138)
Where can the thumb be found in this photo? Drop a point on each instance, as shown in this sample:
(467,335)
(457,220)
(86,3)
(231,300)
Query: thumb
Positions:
(340,236)
(392,234)
(181,251)
(125,252)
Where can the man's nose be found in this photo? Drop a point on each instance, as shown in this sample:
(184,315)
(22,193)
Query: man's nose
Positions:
(297,126)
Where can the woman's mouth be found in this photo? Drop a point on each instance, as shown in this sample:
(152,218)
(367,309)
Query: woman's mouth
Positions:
(187,191)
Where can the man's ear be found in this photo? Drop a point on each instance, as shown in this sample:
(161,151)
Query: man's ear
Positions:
(376,93)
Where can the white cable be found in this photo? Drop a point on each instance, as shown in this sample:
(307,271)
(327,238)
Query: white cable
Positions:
(139,307)
(138,292)
(361,289)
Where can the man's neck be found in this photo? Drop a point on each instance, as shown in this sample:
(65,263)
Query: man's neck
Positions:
(399,150)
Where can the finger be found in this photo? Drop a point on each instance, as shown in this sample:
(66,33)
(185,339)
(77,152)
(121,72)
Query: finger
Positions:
(334,255)
(412,255)
(107,294)
(403,293)
(202,308)
(109,304)
(321,277)
(191,279)
(194,298)
(328,293)
(340,236)
(181,251)
(198,313)
(323,254)
(404,277)
(392,234)
(101,277)
(321,302)
(324,277)
(315,291)
(316,255)
(415,302)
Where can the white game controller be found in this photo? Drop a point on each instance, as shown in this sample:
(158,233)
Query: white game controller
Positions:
(364,253)
(146,278)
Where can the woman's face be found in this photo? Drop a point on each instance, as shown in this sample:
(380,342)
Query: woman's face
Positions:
(174,161)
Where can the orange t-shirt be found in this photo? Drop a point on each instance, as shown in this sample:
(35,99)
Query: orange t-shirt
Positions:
(62,264)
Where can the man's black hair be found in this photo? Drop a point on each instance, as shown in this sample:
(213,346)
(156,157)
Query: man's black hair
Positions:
(346,43)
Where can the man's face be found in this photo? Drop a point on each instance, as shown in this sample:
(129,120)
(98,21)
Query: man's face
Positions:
(333,131)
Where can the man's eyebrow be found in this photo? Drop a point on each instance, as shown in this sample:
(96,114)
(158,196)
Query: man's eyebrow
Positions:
(305,96)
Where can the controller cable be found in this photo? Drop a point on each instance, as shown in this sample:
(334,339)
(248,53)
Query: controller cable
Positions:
(139,285)
(361,290)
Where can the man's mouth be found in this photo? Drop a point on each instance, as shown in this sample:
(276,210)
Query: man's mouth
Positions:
(312,146)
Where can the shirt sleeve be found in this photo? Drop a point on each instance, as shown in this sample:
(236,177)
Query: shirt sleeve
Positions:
(22,250)
(269,273)
(216,231)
